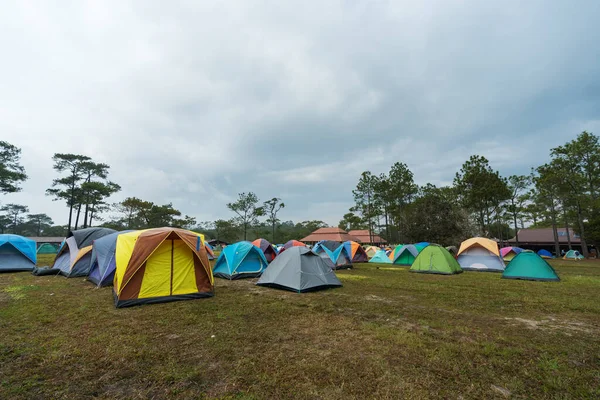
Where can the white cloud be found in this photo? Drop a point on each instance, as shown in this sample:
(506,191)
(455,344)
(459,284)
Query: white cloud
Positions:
(194,102)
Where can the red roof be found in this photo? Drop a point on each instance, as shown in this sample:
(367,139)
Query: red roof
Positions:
(363,236)
(336,234)
(545,236)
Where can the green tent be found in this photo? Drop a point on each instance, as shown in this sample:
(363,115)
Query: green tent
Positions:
(529,266)
(381,258)
(46,248)
(406,255)
(435,259)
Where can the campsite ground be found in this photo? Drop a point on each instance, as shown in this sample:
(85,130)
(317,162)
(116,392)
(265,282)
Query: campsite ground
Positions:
(387,333)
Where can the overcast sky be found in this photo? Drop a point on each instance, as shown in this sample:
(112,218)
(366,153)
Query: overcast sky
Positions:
(192,102)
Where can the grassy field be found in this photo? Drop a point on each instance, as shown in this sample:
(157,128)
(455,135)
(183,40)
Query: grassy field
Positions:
(387,333)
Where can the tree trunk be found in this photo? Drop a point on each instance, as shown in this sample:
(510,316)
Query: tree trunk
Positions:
(516,227)
(273,231)
(567,228)
(387,226)
(92,209)
(77,218)
(39,228)
(554,229)
(72,200)
(584,249)
(85,215)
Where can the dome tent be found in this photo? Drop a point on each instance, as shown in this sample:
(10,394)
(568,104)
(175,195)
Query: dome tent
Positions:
(75,254)
(46,248)
(240,260)
(209,251)
(17,253)
(334,252)
(480,254)
(508,253)
(300,270)
(435,259)
(161,265)
(406,255)
(381,258)
(392,255)
(544,254)
(267,248)
(357,253)
(291,243)
(371,251)
(103,261)
(528,265)
(573,255)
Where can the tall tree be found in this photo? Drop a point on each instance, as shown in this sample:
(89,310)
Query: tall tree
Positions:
(225,230)
(133,210)
(95,194)
(364,197)
(40,222)
(577,165)
(351,221)
(436,216)
(89,191)
(481,190)
(517,185)
(15,212)
(402,190)
(5,222)
(271,208)
(547,184)
(12,172)
(67,187)
(247,210)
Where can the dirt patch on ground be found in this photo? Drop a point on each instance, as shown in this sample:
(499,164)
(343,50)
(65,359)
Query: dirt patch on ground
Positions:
(551,323)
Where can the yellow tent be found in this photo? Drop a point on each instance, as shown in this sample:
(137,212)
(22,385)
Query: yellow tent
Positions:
(479,242)
(160,265)
(371,251)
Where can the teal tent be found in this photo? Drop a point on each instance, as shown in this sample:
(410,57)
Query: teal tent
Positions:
(529,266)
(381,258)
(47,248)
(240,260)
(405,255)
(573,255)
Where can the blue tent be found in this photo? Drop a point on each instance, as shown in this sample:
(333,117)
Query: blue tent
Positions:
(336,252)
(103,263)
(545,254)
(17,253)
(381,258)
(240,260)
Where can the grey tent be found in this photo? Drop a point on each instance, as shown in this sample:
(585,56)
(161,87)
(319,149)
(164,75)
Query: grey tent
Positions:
(103,263)
(335,252)
(300,270)
(75,254)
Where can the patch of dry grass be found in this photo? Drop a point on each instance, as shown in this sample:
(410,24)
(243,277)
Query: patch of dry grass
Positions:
(386,334)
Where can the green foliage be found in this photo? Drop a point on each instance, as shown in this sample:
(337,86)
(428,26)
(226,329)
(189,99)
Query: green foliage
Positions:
(481,190)
(515,207)
(83,186)
(271,208)
(351,221)
(364,198)
(140,214)
(36,224)
(12,172)
(15,212)
(247,210)
(436,216)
